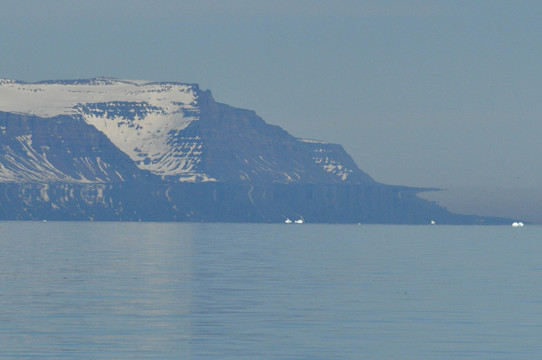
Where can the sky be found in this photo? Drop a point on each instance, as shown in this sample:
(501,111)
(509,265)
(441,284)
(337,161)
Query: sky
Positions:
(442,94)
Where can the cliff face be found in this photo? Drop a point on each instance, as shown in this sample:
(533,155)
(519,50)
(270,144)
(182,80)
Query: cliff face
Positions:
(239,147)
(174,131)
(58,149)
(224,202)
(106,149)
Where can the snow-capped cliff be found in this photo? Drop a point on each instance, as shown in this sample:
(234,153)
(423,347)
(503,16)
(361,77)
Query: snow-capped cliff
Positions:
(173,130)
(140,118)
(107,149)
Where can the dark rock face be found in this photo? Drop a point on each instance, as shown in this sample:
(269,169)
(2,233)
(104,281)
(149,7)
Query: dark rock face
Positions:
(240,147)
(62,148)
(223,202)
(219,164)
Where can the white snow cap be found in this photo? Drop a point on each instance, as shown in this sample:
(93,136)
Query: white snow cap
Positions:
(51,98)
(141,118)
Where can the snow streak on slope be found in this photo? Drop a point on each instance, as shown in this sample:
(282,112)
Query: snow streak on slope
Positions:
(323,156)
(148,134)
(140,118)
(35,166)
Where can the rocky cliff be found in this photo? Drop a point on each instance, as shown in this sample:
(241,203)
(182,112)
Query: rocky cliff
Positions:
(106,149)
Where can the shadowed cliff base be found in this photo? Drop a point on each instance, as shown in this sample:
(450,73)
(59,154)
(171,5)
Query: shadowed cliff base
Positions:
(222,202)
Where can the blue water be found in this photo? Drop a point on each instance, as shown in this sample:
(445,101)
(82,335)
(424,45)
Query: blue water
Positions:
(227,291)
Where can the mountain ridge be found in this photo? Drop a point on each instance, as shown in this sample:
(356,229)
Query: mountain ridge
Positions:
(159,126)
(110,149)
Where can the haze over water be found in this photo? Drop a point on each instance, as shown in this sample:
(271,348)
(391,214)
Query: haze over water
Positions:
(206,291)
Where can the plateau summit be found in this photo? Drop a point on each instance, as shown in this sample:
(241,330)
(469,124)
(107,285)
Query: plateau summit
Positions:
(109,149)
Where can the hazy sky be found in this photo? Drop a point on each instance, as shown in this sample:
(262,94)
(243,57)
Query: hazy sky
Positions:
(424,93)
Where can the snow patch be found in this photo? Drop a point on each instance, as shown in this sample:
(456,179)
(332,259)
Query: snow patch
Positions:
(48,99)
(143,119)
(312,141)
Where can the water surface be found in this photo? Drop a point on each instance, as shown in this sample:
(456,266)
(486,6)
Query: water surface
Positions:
(238,291)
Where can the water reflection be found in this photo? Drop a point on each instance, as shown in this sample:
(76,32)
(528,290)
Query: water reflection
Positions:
(206,291)
(96,289)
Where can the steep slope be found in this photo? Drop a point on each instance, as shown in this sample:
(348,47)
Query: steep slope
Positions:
(238,146)
(59,149)
(178,132)
(140,118)
(107,149)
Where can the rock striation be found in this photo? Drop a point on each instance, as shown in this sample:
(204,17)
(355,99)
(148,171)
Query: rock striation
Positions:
(108,149)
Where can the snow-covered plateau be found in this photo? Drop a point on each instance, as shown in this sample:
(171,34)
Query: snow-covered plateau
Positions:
(139,117)
(154,124)
(109,149)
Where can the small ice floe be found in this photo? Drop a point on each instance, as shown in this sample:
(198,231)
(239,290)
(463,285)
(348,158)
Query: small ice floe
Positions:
(517,224)
(288,221)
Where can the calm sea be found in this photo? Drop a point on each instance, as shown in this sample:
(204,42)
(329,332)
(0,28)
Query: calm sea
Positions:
(237,291)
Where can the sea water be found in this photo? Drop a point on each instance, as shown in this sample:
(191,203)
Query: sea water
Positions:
(90,290)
